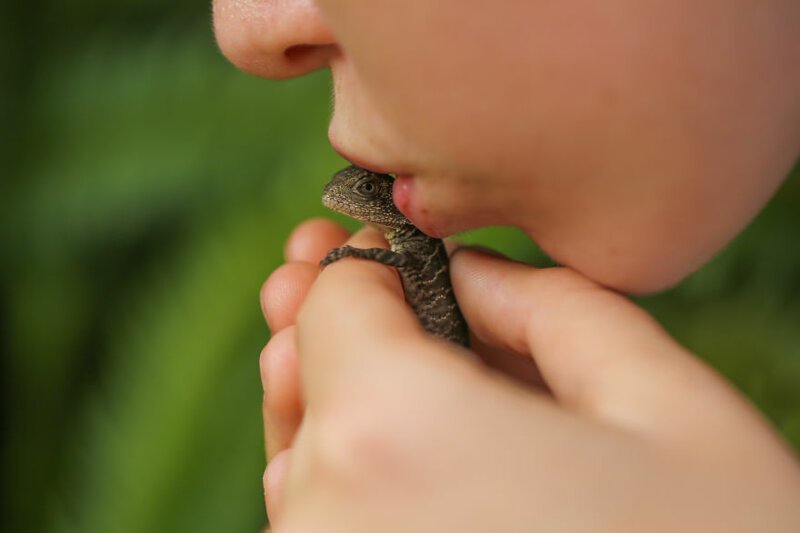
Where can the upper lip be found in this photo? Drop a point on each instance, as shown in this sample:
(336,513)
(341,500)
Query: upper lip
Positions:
(364,163)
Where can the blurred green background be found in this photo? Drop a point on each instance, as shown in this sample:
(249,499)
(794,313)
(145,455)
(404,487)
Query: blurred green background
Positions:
(147,188)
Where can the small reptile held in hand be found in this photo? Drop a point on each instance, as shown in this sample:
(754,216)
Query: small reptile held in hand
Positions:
(421,260)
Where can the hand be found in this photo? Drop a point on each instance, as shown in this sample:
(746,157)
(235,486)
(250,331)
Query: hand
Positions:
(372,425)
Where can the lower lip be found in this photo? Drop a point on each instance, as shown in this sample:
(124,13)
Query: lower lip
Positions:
(405,199)
(403,193)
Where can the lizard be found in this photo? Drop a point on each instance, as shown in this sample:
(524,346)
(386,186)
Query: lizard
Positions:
(421,260)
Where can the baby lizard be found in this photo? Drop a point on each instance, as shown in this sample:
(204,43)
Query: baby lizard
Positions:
(421,260)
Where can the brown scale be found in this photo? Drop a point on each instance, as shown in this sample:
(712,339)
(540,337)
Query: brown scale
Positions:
(421,260)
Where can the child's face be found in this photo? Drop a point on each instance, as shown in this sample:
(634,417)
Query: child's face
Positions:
(630,138)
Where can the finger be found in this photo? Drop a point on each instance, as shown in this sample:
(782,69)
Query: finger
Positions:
(274,482)
(311,240)
(283,404)
(597,351)
(285,289)
(284,292)
(518,367)
(354,315)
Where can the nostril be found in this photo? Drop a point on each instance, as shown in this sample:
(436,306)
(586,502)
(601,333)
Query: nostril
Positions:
(299,52)
(302,58)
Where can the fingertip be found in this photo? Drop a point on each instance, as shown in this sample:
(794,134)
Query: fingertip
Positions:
(284,291)
(499,297)
(281,377)
(312,239)
(283,402)
(274,480)
(278,365)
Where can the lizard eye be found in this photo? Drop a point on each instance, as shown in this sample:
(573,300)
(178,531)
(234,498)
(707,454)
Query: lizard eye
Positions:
(367,187)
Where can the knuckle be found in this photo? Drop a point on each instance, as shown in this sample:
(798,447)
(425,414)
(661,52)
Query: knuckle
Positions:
(358,449)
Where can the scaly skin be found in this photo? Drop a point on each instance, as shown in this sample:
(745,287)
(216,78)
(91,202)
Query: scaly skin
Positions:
(421,260)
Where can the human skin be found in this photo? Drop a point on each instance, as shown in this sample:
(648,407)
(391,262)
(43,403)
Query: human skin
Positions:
(631,140)
(372,425)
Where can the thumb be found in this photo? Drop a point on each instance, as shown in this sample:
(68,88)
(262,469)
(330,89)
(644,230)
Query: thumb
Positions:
(598,352)
(354,323)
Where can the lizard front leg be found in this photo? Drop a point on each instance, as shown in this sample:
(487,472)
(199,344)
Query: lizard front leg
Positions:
(381,255)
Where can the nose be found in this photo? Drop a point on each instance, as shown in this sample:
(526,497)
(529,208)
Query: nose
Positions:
(273,38)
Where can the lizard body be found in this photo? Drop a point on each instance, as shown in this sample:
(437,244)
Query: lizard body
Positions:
(421,260)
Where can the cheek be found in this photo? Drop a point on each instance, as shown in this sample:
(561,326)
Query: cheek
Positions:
(625,113)
(481,88)
(528,85)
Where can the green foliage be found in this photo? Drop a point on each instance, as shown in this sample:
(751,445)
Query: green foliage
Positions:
(741,311)
(148,199)
(147,191)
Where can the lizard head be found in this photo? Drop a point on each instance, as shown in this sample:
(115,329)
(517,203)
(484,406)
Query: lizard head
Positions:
(365,196)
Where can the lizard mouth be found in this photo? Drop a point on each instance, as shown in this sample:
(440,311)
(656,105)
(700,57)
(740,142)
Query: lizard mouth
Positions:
(330,203)
(334,204)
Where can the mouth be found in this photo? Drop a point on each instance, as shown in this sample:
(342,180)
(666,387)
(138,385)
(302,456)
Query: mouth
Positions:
(364,163)
(334,205)
(403,191)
